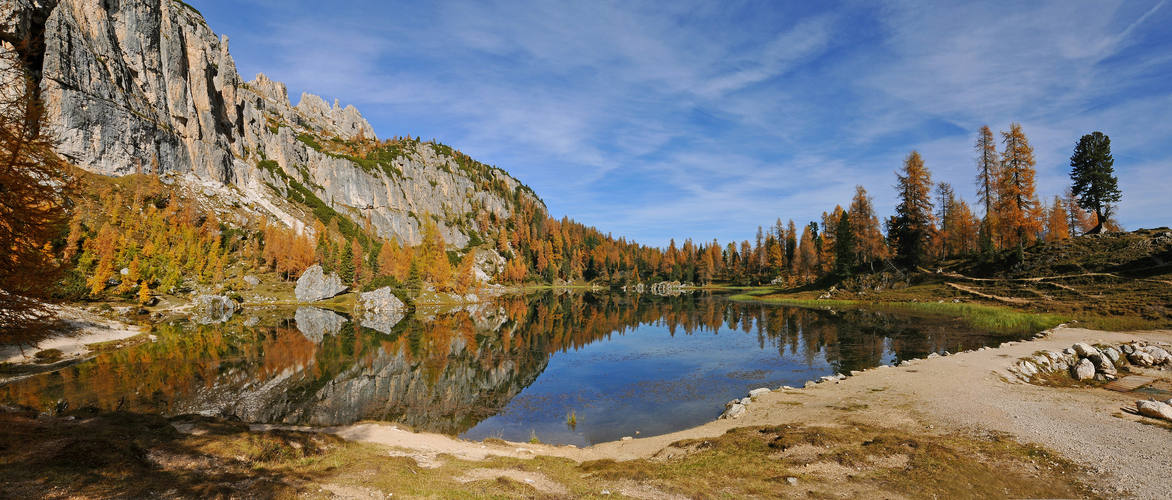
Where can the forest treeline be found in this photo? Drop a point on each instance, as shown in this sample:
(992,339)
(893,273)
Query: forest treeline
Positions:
(136,236)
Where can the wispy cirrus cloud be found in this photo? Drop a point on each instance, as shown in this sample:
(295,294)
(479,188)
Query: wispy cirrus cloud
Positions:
(699,119)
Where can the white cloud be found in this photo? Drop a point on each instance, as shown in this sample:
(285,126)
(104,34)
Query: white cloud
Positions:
(702,119)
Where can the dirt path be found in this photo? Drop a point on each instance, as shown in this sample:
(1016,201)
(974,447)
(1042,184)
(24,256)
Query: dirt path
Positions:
(963,392)
(1008,300)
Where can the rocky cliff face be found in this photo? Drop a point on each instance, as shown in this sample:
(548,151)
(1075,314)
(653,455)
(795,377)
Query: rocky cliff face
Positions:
(146,86)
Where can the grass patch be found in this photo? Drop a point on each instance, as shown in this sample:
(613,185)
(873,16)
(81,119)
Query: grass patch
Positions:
(342,303)
(1122,323)
(48,355)
(750,462)
(985,317)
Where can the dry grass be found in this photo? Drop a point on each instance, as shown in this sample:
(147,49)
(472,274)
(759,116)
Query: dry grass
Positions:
(852,460)
(124,455)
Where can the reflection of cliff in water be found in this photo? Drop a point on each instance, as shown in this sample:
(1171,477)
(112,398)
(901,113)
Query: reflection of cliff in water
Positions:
(444,375)
(441,372)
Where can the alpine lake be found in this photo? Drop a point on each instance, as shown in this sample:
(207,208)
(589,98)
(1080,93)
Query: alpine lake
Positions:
(517,367)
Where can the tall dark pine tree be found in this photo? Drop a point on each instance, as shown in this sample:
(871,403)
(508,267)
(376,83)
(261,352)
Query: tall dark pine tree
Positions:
(988,172)
(911,226)
(346,264)
(946,203)
(1092,169)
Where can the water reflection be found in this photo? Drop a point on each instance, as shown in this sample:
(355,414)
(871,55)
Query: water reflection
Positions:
(509,368)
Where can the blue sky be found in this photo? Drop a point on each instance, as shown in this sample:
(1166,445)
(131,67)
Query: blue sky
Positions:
(706,119)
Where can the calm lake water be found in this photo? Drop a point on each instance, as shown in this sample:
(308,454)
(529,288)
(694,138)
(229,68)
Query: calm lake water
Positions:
(513,368)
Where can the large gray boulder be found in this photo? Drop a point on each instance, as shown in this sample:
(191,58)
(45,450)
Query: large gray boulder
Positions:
(488,264)
(208,309)
(1084,370)
(315,323)
(734,411)
(1085,350)
(315,285)
(380,301)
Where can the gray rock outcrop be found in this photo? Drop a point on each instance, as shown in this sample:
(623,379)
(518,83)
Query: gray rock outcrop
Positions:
(1084,362)
(315,285)
(487,264)
(208,309)
(146,86)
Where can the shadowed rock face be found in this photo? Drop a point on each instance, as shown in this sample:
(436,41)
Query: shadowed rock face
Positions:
(145,85)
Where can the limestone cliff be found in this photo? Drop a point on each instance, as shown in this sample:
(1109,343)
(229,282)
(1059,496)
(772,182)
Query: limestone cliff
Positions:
(146,86)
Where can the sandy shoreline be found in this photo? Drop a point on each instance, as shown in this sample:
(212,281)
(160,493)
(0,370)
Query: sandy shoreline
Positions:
(966,392)
(81,328)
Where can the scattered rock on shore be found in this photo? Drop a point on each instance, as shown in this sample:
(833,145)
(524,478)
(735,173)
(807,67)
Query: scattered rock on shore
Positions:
(1155,409)
(1084,370)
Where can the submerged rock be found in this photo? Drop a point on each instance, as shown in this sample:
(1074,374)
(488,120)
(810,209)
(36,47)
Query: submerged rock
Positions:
(315,285)
(315,323)
(207,309)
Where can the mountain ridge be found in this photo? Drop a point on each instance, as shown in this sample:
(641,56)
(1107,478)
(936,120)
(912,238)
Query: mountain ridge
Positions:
(147,86)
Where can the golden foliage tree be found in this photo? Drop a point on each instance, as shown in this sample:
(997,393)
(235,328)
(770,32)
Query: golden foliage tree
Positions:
(465,276)
(34,183)
(1016,196)
(869,244)
(1057,221)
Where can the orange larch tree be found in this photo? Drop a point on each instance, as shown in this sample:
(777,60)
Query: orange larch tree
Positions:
(1015,195)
